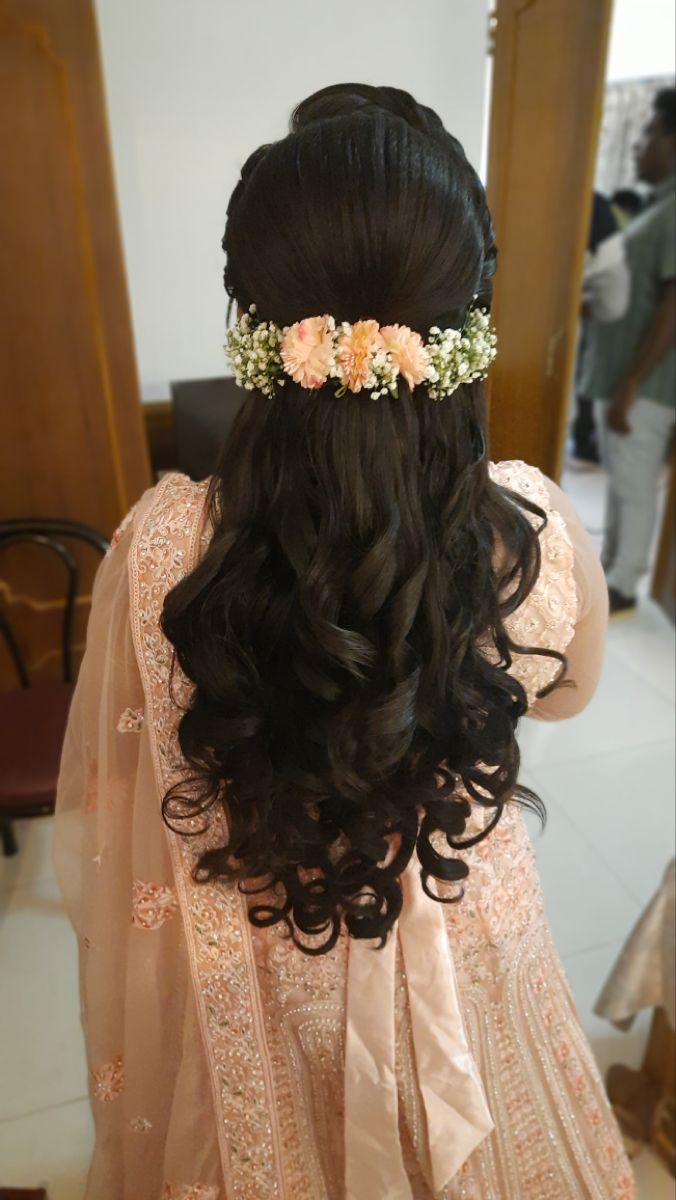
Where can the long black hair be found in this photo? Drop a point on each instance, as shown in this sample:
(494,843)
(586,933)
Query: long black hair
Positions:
(345,629)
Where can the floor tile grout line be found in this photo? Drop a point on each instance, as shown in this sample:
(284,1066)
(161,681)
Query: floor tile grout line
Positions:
(656,691)
(581,829)
(44,877)
(627,662)
(638,901)
(621,935)
(36,1112)
(618,941)
(587,758)
(33,887)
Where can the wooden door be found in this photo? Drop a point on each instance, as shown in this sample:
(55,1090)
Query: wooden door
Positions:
(72,439)
(548,82)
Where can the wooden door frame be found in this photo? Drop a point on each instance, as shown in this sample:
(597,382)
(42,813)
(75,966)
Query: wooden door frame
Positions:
(72,432)
(549,62)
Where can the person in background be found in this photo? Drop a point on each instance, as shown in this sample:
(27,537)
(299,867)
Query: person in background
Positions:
(626,203)
(630,366)
(605,295)
(607,282)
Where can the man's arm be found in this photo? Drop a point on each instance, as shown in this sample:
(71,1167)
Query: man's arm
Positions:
(606,284)
(657,340)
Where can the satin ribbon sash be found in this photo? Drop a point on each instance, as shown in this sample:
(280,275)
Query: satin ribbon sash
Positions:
(454,1101)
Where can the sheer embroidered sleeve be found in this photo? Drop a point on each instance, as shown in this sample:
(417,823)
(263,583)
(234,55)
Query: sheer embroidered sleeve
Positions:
(567,609)
(113,865)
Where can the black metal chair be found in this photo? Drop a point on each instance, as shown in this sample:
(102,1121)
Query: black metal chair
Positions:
(33,716)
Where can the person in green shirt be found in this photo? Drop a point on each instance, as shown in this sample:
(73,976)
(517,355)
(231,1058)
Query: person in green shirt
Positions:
(630,366)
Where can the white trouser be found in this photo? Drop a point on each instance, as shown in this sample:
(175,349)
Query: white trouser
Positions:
(634,463)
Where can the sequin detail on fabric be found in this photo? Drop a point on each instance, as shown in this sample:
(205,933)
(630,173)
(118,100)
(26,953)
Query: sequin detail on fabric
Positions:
(140,1125)
(547,619)
(152,904)
(189,1191)
(109,1080)
(214,917)
(131,721)
(520,1017)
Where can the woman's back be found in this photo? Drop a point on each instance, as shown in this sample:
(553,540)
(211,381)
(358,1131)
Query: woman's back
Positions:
(223,1059)
(289,804)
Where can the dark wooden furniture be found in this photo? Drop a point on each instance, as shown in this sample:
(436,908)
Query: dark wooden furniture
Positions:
(644,1100)
(204,410)
(72,438)
(23,1194)
(33,716)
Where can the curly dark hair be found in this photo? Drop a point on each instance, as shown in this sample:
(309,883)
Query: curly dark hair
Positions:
(345,708)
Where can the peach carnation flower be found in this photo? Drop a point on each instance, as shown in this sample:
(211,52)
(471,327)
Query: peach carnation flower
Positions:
(357,345)
(307,351)
(407,351)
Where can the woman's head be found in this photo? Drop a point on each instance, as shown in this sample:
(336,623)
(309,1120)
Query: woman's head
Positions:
(345,629)
(367,209)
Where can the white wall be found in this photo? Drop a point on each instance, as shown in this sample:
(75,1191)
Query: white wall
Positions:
(194,85)
(642,39)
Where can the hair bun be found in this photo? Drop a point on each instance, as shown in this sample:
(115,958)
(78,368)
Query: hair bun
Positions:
(345,99)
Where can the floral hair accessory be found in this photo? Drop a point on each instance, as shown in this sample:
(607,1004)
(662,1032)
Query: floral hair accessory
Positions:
(307,351)
(360,356)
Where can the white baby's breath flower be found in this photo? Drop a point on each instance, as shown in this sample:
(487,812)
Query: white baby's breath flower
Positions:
(450,357)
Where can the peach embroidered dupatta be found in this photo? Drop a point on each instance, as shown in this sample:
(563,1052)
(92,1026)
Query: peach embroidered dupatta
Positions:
(227,1066)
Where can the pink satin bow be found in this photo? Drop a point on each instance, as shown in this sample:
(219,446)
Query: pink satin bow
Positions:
(457,1116)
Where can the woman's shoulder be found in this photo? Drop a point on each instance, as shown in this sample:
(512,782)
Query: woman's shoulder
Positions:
(567,609)
(546,619)
(530,482)
(522,478)
(173,506)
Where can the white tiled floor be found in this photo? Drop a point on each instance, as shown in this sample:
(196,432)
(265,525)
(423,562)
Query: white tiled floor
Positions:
(607,778)
(45,1124)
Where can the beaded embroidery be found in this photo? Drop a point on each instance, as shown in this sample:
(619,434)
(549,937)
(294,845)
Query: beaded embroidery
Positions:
(140,1125)
(109,1080)
(214,917)
(152,904)
(189,1191)
(272,1020)
(131,721)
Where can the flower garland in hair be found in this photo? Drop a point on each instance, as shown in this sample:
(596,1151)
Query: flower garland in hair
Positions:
(364,355)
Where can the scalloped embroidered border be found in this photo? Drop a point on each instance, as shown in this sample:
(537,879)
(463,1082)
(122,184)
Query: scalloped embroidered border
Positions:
(221,955)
